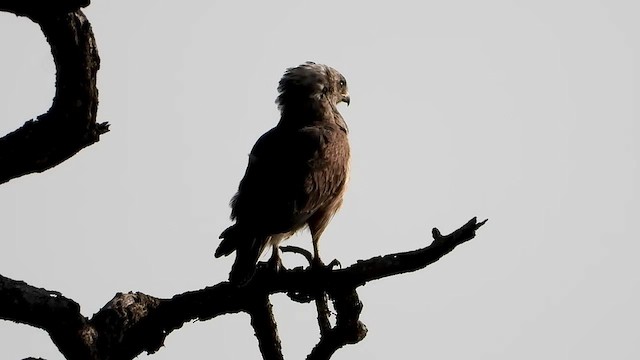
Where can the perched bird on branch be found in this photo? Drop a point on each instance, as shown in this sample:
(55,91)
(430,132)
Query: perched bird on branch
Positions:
(297,171)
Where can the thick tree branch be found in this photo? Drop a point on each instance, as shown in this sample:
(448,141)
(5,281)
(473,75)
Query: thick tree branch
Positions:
(70,124)
(50,311)
(132,323)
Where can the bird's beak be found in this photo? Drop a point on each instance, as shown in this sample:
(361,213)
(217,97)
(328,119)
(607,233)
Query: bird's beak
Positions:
(346,98)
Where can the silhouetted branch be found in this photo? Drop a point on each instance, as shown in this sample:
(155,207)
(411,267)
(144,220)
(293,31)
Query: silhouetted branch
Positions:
(322,308)
(36,8)
(132,323)
(266,329)
(380,267)
(50,311)
(348,330)
(70,124)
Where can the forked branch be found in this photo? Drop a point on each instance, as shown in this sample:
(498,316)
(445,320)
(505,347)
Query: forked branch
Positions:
(134,322)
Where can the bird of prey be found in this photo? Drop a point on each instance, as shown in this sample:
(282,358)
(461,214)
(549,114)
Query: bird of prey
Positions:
(297,171)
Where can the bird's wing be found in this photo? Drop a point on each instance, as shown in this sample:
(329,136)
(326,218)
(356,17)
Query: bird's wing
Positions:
(273,194)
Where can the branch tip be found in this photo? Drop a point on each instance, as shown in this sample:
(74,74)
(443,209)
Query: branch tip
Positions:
(103,128)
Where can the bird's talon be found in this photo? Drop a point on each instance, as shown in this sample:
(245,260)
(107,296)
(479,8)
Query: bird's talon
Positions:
(319,265)
(334,263)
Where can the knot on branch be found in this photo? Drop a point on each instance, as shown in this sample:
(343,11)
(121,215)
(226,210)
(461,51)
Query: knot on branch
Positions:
(118,319)
(125,310)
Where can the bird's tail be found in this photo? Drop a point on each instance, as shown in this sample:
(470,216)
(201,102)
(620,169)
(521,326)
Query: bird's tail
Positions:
(229,241)
(248,249)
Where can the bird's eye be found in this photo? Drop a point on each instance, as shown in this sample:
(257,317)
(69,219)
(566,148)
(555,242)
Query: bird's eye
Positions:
(342,83)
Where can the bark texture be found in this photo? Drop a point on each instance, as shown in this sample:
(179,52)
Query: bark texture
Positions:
(70,124)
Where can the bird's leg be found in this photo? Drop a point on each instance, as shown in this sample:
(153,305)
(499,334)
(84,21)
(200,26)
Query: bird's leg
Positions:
(317,262)
(275,262)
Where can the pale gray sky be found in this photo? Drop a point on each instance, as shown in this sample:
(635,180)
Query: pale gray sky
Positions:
(524,112)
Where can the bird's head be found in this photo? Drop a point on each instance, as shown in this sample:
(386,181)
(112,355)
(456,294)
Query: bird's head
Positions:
(311,81)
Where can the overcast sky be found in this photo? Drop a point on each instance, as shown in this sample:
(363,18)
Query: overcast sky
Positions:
(523,112)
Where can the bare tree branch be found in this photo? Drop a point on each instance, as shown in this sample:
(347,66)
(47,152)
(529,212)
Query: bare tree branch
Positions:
(132,323)
(322,308)
(36,8)
(70,124)
(50,311)
(266,329)
(393,264)
(348,330)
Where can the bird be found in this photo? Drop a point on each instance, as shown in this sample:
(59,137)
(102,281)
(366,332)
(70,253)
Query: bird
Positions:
(297,171)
